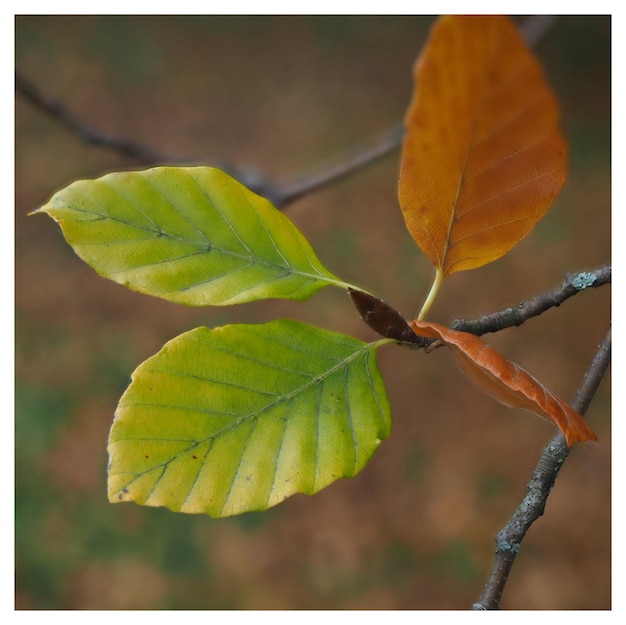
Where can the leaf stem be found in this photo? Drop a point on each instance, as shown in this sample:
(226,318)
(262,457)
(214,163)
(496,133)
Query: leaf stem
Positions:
(434,289)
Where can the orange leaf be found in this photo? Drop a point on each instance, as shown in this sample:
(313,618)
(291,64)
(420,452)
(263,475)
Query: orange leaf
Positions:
(483,157)
(506,381)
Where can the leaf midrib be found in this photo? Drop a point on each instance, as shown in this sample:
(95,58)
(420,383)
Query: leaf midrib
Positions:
(202,249)
(282,398)
(470,145)
(318,380)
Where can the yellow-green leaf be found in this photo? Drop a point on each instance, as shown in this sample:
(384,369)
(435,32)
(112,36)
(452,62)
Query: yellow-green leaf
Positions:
(191,235)
(238,418)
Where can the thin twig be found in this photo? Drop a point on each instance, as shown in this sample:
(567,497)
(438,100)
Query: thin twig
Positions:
(535,27)
(379,146)
(279,195)
(509,538)
(140,153)
(573,284)
(63,115)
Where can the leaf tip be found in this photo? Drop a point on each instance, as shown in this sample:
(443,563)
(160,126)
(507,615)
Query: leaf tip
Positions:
(41,209)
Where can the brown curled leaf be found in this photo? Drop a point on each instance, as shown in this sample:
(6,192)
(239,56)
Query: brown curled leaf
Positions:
(506,381)
(383,318)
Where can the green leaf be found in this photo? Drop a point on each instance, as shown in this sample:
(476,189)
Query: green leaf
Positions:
(191,235)
(237,418)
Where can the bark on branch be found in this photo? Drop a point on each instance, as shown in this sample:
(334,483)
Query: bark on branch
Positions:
(572,285)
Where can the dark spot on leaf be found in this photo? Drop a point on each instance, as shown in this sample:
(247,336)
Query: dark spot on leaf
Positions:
(195,457)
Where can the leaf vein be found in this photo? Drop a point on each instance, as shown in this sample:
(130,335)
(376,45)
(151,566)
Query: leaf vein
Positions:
(254,211)
(508,191)
(285,419)
(220,212)
(501,161)
(350,419)
(128,200)
(235,473)
(182,213)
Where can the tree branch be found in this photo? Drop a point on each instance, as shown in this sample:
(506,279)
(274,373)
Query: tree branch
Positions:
(509,538)
(62,114)
(279,195)
(379,146)
(532,30)
(143,154)
(573,284)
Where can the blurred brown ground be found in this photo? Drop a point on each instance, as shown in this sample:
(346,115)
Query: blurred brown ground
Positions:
(415,529)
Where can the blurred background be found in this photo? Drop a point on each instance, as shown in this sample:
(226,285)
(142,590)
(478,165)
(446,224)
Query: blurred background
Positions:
(276,96)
